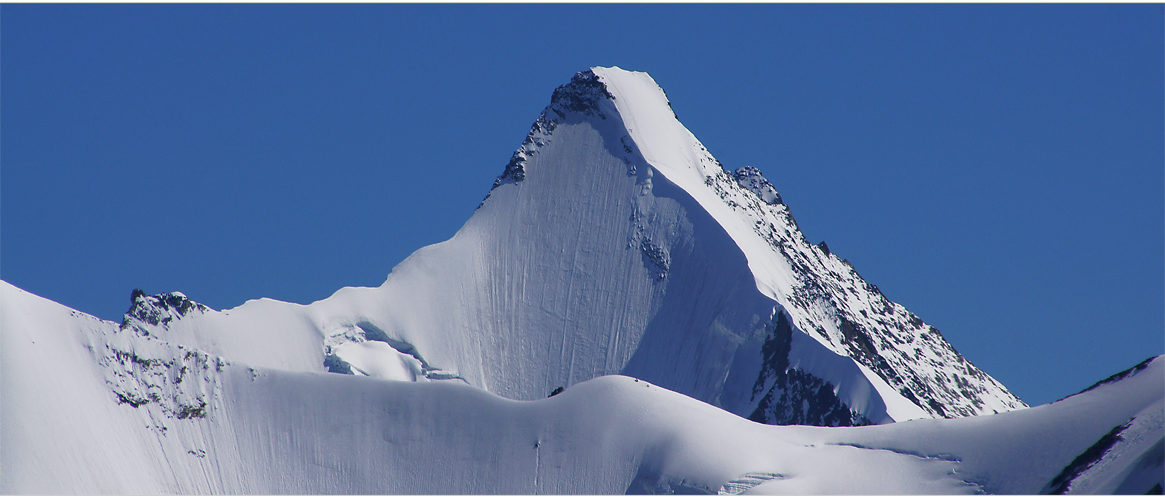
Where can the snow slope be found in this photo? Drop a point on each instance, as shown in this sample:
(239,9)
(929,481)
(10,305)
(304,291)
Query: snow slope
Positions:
(67,427)
(614,243)
(826,298)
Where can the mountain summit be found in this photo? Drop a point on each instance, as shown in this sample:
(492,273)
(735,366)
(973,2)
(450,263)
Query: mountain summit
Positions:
(719,295)
(614,243)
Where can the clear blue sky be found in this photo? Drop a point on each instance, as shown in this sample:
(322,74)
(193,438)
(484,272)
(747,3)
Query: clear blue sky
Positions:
(997,169)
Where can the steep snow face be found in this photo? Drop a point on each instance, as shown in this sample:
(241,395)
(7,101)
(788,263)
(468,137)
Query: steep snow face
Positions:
(823,294)
(613,242)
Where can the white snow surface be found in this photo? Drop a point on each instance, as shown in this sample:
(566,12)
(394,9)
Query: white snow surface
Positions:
(614,257)
(1132,465)
(268,431)
(771,242)
(624,248)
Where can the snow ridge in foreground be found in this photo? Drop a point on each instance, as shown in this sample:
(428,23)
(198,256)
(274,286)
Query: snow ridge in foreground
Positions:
(271,431)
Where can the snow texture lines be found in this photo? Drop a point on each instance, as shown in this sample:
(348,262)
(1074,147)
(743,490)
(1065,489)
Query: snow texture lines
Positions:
(746,482)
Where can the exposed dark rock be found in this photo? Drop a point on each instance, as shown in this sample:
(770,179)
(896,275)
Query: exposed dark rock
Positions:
(335,365)
(189,411)
(752,180)
(655,258)
(581,95)
(159,310)
(129,399)
(795,397)
(1122,374)
(937,407)
(804,399)
(775,353)
(1059,485)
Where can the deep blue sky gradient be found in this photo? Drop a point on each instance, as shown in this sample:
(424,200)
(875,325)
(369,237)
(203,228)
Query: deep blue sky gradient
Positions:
(997,169)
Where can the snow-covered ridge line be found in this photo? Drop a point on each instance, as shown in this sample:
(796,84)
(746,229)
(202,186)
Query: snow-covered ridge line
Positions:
(824,294)
(613,242)
(282,432)
(1134,370)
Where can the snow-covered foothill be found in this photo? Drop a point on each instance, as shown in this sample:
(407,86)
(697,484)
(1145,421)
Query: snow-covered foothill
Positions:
(266,431)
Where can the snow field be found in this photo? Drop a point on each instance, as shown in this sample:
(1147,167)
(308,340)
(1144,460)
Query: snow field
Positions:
(274,432)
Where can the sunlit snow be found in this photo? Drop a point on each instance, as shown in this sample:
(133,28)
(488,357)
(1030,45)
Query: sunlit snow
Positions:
(615,258)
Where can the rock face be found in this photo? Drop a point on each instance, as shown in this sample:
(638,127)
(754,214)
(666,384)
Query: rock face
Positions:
(158,311)
(791,396)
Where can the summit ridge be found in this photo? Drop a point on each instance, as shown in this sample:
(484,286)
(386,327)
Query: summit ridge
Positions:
(823,294)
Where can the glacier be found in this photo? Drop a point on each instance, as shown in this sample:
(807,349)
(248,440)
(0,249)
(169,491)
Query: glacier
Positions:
(693,332)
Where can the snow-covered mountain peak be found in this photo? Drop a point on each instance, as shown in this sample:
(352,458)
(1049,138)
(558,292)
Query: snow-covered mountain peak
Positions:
(612,244)
(824,296)
(615,243)
(652,124)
